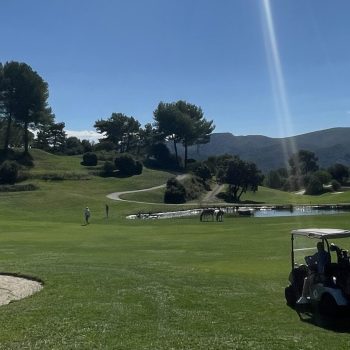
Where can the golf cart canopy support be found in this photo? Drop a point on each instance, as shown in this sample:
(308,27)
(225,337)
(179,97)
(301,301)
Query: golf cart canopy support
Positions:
(321,233)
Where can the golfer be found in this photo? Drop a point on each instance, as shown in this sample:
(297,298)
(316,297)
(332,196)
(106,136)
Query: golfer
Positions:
(87,215)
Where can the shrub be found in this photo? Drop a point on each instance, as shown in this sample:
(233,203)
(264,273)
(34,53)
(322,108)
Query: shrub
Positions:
(108,169)
(160,157)
(25,159)
(138,168)
(336,186)
(314,186)
(323,176)
(106,155)
(60,176)
(293,183)
(105,146)
(127,165)
(8,172)
(89,159)
(339,172)
(194,187)
(203,172)
(160,152)
(274,180)
(18,188)
(175,192)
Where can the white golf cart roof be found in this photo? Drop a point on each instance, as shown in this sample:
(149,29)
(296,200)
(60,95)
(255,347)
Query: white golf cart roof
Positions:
(322,233)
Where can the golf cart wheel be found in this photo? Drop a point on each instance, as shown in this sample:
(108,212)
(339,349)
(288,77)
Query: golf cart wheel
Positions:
(328,306)
(290,295)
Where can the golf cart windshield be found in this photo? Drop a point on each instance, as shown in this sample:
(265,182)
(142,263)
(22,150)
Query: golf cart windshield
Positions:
(302,247)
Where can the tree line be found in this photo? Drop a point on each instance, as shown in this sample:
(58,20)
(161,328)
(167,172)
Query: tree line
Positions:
(24,109)
(305,174)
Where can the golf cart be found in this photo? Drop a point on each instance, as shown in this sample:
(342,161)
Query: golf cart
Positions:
(329,292)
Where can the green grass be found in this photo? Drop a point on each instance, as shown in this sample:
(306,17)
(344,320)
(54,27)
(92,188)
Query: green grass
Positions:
(264,195)
(164,284)
(270,196)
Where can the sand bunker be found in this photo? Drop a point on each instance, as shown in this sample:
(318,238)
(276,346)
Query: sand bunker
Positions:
(15,288)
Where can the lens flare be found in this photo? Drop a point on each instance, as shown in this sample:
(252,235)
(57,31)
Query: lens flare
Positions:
(283,115)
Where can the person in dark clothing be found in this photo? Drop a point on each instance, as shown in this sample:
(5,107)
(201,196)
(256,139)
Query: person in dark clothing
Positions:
(87,215)
(316,264)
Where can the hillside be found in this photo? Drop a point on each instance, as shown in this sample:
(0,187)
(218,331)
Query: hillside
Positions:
(330,146)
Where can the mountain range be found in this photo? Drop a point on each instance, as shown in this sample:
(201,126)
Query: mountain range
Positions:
(330,146)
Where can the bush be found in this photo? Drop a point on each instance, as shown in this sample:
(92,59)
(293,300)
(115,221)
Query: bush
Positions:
(336,186)
(106,155)
(203,172)
(25,159)
(108,169)
(105,146)
(323,176)
(61,176)
(339,172)
(89,159)
(293,183)
(194,187)
(138,168)
(160,152)
(18,188)
(8,172)
(314,186)
(175,192)
(127,165)
(274,180)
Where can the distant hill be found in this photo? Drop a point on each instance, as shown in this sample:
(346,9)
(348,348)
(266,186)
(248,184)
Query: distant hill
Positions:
(330,146)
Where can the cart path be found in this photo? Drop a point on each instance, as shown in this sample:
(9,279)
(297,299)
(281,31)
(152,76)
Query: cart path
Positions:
(209,197)
(116,195)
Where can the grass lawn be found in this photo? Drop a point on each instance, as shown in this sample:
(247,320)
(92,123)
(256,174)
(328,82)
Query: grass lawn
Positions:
(181,284)
(163,284)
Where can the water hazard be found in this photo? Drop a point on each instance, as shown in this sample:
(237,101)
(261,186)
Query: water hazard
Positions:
(253,211)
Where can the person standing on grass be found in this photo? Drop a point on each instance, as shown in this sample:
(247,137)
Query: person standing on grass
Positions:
(87,215)
(107,210)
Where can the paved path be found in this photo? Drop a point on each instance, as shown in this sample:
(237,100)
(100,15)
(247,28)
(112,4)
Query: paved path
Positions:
(116,195)
(209,197)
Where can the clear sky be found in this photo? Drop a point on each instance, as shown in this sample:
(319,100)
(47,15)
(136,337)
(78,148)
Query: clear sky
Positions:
(105,56)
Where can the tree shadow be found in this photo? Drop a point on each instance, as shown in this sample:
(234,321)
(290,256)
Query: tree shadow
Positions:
(229,199)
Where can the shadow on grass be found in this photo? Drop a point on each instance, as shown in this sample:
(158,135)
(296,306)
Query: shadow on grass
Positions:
(337,323)
(228,199)
(28,277)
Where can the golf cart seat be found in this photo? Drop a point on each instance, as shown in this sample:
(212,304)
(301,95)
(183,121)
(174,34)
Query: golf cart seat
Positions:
(297,276)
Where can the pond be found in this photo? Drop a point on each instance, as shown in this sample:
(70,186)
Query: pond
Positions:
(251,211)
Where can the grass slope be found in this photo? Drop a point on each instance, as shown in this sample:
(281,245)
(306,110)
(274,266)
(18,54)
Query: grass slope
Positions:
(166,284)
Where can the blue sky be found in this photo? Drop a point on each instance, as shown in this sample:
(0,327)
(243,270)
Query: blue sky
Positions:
(105,56)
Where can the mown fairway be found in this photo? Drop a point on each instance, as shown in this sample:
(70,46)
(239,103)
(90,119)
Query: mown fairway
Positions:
(166,284)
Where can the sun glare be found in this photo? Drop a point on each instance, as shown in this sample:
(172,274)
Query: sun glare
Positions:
(279,91)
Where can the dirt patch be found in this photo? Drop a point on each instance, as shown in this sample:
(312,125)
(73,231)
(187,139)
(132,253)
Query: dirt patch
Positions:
(14,288)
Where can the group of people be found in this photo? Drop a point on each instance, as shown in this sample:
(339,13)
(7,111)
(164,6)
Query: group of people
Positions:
(87,214)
